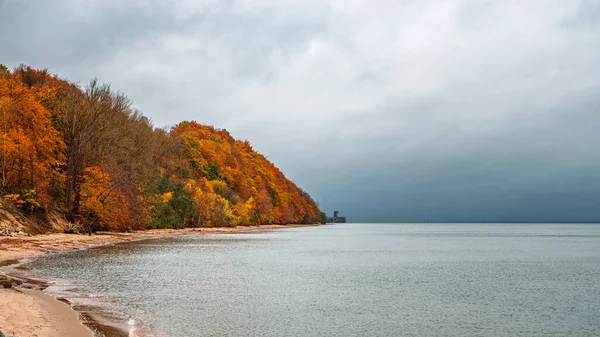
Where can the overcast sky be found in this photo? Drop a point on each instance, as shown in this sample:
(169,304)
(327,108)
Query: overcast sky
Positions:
(386,110)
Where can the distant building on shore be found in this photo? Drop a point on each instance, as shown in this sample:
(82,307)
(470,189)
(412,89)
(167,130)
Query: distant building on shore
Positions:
(336,218)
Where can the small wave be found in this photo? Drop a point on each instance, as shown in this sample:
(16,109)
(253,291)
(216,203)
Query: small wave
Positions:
(137,330)
(132,328)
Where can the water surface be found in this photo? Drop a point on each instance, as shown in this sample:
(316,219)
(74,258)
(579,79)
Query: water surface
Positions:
(348,280)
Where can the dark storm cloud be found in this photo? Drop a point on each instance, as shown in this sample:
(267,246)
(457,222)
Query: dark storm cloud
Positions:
(387,110)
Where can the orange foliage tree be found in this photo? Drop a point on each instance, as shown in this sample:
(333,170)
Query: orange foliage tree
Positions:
(31,147)
(103,206)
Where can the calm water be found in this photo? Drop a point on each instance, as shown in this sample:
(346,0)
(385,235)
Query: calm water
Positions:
(349,280)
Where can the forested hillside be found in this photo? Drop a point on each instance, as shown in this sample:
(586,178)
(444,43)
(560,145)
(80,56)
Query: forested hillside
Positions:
(87,154)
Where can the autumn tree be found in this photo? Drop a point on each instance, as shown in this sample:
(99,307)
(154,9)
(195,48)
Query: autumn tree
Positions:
(31,147)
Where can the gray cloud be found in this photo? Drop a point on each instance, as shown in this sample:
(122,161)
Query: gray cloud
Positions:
(387,110)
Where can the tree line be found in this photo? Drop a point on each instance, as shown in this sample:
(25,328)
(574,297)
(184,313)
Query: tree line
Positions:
(87,154)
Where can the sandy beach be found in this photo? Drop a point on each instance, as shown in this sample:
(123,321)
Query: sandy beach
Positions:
(27,312)
(31,312)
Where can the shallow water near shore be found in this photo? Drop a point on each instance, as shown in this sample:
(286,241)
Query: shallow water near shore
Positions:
(344,280)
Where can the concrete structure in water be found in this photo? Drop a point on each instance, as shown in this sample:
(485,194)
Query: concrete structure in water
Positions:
(336,218)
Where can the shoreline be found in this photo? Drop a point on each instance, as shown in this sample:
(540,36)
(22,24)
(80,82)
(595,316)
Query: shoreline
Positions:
(42,311)
(30,312)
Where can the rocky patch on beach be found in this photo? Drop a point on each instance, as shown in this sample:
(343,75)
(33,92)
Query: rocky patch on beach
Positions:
(8,282)
(11,232)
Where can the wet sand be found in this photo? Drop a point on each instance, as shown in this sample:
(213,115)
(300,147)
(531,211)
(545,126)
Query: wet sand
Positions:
(28,312)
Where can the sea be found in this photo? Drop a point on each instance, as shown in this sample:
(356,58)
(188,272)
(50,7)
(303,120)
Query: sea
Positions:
(342,280)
